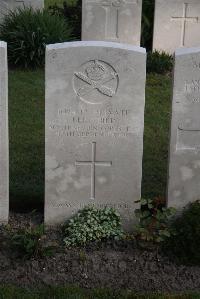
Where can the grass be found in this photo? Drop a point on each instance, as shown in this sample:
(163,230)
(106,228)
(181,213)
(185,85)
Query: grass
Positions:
(156,135)
(26,121)
(26,114)
(10,292)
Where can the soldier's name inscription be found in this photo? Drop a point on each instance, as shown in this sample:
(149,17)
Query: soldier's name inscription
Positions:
(102,123)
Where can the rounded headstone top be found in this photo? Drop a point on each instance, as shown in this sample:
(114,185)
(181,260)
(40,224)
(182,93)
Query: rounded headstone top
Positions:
(3,44)
(95,44)
(183,51)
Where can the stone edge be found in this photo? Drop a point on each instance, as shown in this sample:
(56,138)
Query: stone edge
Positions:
(3,44)
(185,51)
(95,44)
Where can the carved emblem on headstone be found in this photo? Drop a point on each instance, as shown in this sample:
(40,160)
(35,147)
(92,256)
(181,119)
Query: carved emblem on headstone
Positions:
(115,3)
(95,82)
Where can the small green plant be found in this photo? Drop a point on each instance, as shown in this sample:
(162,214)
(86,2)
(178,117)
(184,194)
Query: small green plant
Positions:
(185,246)
(154,220)
(28,242)
(27,32)
(159,62)
(92,224)
(82,256)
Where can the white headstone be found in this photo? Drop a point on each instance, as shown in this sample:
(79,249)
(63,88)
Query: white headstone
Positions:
(4,167)
(176,24)
(9,5)
(94,128)
(36,4)
(112,20)
(184,167)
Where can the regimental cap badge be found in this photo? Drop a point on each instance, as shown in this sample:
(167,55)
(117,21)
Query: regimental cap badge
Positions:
(94,81)
(96,71)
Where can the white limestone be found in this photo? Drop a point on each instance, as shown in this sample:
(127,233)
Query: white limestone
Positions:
(7,5)
(112,20)
(184,166)
(94,128)
(176,24)
(4,166)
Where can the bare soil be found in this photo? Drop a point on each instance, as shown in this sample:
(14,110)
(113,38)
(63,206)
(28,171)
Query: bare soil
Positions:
(121,265)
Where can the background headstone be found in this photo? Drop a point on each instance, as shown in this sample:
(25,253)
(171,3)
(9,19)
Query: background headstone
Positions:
(112,20)
(7,5)
(176,24)
(94,128)
(36,4)
(4,166)
(184,166)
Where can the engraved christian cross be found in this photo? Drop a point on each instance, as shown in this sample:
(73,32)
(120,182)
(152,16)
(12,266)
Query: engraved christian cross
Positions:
(113,9)
(184,19)
(93,163)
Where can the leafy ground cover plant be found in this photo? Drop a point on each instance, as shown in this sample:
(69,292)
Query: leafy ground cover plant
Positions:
(185,245)
(92,224)
(27,32)
(28,242)
(154,221)
(159,62)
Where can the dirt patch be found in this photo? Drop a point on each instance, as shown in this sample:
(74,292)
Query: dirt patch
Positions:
(112,265)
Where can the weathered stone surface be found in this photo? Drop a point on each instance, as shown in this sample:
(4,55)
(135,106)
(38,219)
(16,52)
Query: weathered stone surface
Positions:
(184,166)
(112,20)
(176,24)
(4,168)
(7,5)
(94,128)
(36,4)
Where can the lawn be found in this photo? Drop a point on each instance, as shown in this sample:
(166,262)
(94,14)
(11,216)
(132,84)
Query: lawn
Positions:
(26,121)
(26,115)
(10,292)
(156,135)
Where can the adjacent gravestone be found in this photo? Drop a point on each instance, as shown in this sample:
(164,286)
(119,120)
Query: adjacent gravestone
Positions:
(4,178)
(112,20)
(36,4)
(184,167)
(94,128)
(176,24)
(7,5)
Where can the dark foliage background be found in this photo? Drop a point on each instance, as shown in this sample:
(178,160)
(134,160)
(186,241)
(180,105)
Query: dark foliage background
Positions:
(184,247)
(147,24)
(72,13)
(28,31)
(159,62)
